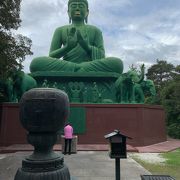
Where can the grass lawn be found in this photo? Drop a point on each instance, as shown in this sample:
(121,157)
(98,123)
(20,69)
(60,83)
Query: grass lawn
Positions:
(170,167)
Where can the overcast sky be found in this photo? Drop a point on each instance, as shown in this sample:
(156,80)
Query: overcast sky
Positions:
(134,30)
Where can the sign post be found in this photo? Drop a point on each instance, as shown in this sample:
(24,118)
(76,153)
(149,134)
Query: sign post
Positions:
(117,165)
(117,151)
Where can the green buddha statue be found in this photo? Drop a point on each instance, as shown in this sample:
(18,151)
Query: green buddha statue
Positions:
(77,47)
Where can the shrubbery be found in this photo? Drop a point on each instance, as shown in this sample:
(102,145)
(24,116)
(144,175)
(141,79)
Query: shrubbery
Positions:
(167,80)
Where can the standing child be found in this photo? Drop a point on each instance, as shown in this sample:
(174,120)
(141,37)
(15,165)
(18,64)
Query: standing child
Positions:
(68,135)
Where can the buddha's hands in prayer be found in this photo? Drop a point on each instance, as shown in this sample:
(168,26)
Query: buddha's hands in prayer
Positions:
(83,42)
(72,38)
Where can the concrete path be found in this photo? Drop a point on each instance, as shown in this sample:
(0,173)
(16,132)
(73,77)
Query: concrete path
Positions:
(86,165)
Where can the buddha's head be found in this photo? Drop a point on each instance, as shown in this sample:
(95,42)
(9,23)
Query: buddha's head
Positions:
(78,10)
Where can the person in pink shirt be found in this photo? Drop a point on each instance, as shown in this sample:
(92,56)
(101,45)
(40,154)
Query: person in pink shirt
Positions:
(68,135)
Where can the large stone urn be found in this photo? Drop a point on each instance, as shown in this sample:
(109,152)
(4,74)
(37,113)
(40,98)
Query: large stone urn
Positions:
(43,112)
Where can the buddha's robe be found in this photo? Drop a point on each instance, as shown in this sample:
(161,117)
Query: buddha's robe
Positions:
(77,59)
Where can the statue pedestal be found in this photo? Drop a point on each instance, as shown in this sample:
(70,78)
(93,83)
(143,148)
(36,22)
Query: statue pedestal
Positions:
(91,87)
(11,130)
(144,123)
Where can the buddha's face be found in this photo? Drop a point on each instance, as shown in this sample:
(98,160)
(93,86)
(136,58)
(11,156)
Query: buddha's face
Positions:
(78,11)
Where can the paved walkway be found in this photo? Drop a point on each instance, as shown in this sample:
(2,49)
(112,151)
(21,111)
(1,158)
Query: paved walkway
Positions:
(86,165)
(91,163)
(166,146)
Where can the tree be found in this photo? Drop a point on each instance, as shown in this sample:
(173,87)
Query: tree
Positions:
(170,96)
(167,81)
(176,73)
(13,48)
(160,73)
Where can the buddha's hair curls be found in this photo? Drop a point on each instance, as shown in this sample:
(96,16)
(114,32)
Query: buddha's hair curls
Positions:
(84,1)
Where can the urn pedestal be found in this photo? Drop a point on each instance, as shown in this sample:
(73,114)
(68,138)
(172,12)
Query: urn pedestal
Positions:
(43,112)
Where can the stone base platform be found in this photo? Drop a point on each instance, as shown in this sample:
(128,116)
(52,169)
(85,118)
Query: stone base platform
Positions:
(143,123)
(87,87)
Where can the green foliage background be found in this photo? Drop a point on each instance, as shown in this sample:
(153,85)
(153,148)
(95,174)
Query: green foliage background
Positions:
(166,77)
(13,47)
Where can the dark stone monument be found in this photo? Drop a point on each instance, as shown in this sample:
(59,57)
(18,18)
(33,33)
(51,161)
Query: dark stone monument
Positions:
(43,112)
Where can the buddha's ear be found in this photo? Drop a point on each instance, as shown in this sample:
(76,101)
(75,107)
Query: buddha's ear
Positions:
(69,14)
(86,17)
(87,12)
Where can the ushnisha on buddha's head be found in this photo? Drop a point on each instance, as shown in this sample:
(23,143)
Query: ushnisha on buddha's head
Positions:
(78,10)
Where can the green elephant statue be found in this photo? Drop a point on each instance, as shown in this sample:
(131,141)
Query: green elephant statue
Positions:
(146,89)
(125,85)
(12,88)
(3,94)
(6,90)
(22,83)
